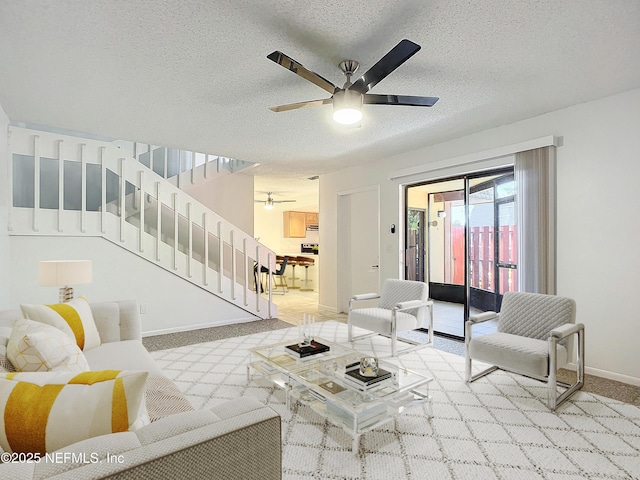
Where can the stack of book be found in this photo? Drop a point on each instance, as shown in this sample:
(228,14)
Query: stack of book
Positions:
(353,377)
(303,351)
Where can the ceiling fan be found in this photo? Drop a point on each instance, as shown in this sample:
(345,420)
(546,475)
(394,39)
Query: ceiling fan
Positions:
(348,100)
(269,203)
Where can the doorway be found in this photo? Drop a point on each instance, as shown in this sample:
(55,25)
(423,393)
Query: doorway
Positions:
(468,243)
(359,246)
(416,244)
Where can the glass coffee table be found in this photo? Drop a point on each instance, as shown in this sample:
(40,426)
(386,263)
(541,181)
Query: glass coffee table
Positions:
(321,383)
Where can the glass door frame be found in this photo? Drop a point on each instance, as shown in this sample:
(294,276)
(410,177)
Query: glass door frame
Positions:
(419,254)
(466,178)
(492,299)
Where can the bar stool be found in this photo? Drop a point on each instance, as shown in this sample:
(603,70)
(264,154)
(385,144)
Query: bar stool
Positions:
(281,261)
(306,262)
(279,274)
(293,261)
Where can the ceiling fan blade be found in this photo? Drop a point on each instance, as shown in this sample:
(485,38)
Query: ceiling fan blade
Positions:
(377,99)
(294,106)
(297,68)
(387,64)
(283,201)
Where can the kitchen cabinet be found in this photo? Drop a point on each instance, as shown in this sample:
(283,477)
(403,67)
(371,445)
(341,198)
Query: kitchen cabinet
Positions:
(312,218)
(295,224)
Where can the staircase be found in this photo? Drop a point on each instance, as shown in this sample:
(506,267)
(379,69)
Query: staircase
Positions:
(69,186)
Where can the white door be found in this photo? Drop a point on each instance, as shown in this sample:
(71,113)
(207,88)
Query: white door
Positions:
(358,240)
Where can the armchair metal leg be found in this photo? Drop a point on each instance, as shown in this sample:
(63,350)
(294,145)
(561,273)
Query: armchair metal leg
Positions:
(467,357)
(394,334)
(431,323)
(552,382)
(555,400)
(468,377)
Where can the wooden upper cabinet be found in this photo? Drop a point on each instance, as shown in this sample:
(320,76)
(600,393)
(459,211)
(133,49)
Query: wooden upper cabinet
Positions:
(312,218)
(295,224)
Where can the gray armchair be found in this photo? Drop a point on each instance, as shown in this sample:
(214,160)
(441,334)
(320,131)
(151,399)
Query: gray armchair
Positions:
(401,307)
(532,336)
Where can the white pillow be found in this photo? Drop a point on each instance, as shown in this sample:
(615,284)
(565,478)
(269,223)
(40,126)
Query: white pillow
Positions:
(74,318)
(5,363)
(37,347)
(43,412)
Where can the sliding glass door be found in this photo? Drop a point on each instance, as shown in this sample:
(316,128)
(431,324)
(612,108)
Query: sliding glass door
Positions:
(468,243)
(493,241)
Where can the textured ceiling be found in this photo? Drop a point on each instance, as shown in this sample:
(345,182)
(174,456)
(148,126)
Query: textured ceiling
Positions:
(194,74)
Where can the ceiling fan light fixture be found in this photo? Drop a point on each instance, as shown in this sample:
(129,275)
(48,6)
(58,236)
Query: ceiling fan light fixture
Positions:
(268,204)
(347,107)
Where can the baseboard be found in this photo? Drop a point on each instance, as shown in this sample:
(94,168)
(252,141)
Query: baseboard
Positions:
(607,374)
(331,309)
(187,328)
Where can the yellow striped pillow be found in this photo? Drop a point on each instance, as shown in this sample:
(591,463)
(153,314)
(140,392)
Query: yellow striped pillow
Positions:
(43,412)
(74,318)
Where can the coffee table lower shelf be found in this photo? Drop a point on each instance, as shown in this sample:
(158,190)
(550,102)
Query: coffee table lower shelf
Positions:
(350,422)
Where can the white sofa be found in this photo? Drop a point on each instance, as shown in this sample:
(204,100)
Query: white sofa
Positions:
(240,439)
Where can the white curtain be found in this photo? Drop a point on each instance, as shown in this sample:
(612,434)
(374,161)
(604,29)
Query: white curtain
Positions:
(535,177)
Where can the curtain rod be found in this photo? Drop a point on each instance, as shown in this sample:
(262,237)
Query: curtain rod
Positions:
(477,156)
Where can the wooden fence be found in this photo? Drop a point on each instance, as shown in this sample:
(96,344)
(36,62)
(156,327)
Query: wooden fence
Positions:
(482,257)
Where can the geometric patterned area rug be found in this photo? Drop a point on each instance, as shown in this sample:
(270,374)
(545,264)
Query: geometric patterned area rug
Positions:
(496,428)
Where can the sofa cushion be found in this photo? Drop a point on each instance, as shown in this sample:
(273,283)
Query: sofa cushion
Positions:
(74,318)
(379,320)
(164,398)
(107,318)
(42,412)
(37,347)
(5,363)
(513,352)
(125,355)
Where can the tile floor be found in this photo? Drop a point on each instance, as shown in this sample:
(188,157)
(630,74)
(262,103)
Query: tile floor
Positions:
(292,305)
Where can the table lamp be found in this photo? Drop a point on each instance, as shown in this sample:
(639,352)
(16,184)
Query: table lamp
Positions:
(62,273)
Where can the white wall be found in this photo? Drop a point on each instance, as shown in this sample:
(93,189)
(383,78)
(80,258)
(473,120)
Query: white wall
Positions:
(5,277)
(268,226)
(230,196)
(173,304)
(598,217)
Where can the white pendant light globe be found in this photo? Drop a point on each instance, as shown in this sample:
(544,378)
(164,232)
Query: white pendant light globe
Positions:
(347,107)
(347,116)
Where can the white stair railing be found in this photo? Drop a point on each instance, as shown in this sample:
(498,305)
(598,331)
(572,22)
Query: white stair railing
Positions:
(122,200)
(182,167)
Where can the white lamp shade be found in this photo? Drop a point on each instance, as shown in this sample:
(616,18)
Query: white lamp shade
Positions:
(58,273)
(347,116)
(347,107)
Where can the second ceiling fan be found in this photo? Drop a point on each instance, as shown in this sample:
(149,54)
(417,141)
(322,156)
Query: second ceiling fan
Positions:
(348,100)
(269,203)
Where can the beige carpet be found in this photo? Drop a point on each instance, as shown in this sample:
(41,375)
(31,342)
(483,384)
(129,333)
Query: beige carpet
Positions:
(496,428)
